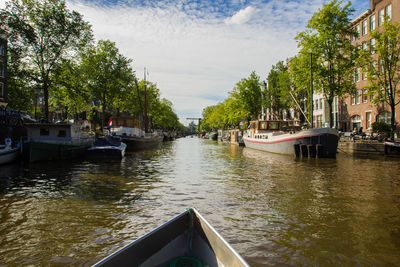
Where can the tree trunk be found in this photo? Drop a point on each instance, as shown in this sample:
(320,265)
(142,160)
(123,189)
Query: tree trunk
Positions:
(46,101)
(330,101)
(392,121)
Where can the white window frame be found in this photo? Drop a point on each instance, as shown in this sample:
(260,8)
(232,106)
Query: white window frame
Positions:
(388,12)
(358,32)
(364,95)
(372,24)
(353,100)
(364,27)
(381,17)
(358,97)
(372,45)
(368,120)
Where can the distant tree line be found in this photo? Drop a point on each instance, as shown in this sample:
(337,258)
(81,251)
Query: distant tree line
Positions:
(55,66)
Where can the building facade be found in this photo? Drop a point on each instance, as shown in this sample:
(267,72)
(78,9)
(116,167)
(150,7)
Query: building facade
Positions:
(360,112)
(3,70)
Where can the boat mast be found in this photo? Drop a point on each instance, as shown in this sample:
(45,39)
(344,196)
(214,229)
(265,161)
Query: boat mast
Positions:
(311,92)
(145,118)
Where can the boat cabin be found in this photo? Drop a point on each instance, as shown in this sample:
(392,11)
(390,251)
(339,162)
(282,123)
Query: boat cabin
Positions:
(128,126)
(262,129)
(56,133)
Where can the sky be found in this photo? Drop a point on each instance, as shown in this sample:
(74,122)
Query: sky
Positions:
(197,50)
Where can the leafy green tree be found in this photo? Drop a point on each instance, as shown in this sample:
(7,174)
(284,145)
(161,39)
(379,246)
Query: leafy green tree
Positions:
(108,74)
(206,123)
(70,92)
(327,38)
(277,95)
(46,32)
(382,65)
(248,92)
(234,112)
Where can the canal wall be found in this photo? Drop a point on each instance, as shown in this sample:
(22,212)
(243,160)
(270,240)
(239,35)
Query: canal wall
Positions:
(361,147)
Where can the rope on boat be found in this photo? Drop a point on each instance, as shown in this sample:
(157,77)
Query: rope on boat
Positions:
(190,260)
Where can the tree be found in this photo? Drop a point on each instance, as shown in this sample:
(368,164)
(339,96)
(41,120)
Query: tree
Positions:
(248,91)
(277,95)
(70,92)
(47,32)
(382,65)
(108,74)
(327,38)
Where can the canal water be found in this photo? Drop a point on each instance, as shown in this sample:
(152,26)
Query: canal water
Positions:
(273,209)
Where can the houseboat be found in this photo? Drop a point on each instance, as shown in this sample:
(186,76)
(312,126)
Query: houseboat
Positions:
(49,141)
(130,132)
(287,137)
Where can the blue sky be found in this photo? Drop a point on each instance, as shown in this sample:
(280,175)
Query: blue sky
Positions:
(196,51)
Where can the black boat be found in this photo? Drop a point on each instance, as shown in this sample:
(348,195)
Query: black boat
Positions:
(107,147)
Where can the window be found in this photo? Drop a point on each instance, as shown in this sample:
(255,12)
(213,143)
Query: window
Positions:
(364,75)
(388,12)
(364,28)
(365,46)
(357,75)
(355,122)
(381,17)
(62,133)
(319,121)
(320,103)
(384,117)
(365,96)
(372,46)
(316,104)
(368,117)
(358,97)
(372,22)
(44,131)
(353,99)
(357,32)
(381,65)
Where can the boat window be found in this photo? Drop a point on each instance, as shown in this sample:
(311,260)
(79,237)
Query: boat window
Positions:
(62,133)
(44,131)
(273,125)
(263,125)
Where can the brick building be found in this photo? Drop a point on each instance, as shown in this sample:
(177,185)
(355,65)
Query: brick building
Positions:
(360,112)
(3,69)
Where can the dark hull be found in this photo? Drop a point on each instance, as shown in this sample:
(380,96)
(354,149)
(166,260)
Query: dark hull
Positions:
(188,237)
(105,153)
(35,151)
(392,149)
(141,143)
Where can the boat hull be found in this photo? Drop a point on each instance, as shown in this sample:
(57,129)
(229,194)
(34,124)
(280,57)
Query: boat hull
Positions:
(107,152)
(141,143)
(188,237)
(39,151)
(9,156)
(325,138)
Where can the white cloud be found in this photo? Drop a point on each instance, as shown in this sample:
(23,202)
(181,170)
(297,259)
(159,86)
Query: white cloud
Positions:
(242,16)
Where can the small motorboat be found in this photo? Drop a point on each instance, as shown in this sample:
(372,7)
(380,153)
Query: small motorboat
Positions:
(186,240)
(107,147)
(8,152)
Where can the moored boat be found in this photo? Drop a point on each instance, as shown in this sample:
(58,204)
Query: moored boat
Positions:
(8,152)
(49,141)
(186,240)
(107,147)
(130,132)
(284,137)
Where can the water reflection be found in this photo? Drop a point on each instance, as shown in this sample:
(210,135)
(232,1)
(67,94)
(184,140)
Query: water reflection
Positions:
(274,209)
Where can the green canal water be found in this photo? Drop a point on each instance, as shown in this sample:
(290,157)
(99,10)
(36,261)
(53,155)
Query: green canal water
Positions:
(274,210)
